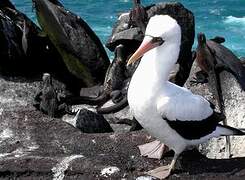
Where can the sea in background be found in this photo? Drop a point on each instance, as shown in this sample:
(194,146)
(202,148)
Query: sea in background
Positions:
(213,17)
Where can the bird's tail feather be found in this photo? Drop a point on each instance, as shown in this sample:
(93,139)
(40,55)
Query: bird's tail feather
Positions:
(227,130)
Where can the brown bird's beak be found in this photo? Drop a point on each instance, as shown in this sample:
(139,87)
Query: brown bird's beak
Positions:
(145,46)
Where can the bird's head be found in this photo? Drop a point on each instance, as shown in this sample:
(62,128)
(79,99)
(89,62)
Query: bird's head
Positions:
(46,78)
(160,30)
(201,39)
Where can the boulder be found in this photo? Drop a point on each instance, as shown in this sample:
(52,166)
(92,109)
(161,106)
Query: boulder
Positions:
(40,56)
(17,31)
(90,122)
(80,48)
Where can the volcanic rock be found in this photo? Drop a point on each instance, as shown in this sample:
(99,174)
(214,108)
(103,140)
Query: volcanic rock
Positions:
(41,56)
(80,48)
(90,122)
(35,146)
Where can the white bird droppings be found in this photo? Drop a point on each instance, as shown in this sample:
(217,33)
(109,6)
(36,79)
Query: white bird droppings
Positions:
(5,134)
(145,178)
(61,167)
(109,171)
(4,154)
(123,15)
(1,111)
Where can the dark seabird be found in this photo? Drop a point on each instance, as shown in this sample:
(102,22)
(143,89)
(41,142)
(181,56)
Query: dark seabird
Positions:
(113,83)
(212,58)
(24,37)
(48,96)
(49,100)
(138,16)
(172,114)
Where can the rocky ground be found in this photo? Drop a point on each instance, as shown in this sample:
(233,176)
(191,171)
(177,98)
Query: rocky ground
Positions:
(35,146)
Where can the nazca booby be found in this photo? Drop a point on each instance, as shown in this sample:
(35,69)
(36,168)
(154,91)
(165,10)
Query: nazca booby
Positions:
(172,114)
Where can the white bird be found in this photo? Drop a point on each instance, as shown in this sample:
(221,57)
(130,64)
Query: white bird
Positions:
(173,114)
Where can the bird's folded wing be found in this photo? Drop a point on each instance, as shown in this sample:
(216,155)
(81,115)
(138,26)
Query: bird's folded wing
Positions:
(193,129)
(186,107)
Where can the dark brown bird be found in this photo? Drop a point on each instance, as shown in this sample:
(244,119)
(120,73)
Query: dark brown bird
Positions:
(213,58)
(138,16)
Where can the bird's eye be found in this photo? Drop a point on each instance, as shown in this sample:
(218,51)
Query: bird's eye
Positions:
(158,40)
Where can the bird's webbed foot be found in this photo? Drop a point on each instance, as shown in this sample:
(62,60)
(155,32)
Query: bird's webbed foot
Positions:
(154,150)
(161,172)
(164,171)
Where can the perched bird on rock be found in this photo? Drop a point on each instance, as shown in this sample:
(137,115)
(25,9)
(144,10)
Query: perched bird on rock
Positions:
(49,100)
(172,114)
(213,58)
(138,16)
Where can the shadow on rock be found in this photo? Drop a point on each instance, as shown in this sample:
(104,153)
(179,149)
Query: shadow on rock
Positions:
(195,163)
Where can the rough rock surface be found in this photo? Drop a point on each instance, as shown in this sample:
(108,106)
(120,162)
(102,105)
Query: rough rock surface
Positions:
(234,99)
(41,55)
(35,146)
(80,48)
(90,122)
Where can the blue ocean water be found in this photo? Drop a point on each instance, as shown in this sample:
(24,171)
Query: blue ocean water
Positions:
(213,17)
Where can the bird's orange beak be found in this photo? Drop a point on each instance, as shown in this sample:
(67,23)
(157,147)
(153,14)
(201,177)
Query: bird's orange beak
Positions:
(145,46)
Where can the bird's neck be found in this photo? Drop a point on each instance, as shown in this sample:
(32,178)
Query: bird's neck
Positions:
(156,65)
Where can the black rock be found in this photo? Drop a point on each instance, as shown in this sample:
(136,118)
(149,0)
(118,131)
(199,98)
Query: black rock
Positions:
(92,92)
(218,39)
(38,54)
(90,122)
(80,48)
(21,45)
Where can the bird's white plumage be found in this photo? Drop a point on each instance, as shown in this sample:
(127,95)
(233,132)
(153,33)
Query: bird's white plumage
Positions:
(181,105)
(151,97)
(168,29)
